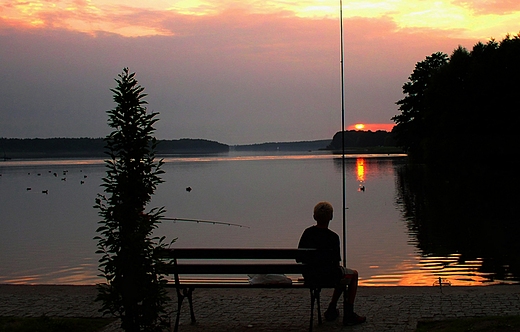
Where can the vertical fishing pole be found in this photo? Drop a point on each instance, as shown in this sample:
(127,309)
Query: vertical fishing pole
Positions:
(343,133)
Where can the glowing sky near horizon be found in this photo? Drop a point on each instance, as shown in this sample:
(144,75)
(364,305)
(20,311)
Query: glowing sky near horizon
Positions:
(233,71)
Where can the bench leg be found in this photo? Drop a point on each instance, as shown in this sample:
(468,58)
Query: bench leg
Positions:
(186,293)
(180,298)
(318,302)
(315,297)
(190,301)
(345,300)
(312,310)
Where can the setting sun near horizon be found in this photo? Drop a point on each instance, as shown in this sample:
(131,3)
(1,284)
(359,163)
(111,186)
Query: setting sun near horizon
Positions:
(371,126)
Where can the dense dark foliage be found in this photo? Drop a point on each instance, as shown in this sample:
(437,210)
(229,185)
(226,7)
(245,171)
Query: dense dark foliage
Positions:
(187,145)
(93,147)
(410,129)
(51,147)
(361,139)
(135,289)
(286,146)
(459,119)
(457,109)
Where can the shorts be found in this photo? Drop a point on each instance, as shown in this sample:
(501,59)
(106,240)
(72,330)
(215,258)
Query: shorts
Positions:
(345,271)
(329,275)
(347,275)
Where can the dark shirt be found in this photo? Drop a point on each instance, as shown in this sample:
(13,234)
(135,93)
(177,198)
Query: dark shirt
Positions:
(321,238)
(326,269)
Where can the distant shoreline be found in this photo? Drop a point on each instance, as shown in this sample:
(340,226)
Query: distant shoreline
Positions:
(383,151)
(48,148)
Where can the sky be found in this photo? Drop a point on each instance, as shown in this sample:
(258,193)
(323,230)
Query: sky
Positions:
(236,72)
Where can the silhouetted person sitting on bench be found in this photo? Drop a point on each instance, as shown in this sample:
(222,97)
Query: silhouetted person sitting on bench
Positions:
(328,271)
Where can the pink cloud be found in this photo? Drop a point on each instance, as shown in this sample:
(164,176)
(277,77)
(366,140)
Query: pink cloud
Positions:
(485,7)
(234,77)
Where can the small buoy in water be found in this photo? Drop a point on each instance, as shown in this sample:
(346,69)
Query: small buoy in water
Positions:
(188,189)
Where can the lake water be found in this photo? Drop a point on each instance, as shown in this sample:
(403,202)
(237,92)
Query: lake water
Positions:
(48,221)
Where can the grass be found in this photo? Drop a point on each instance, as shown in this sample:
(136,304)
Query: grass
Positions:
(47,324)
(481,324)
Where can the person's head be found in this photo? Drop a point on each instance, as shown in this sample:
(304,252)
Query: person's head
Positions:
(323,213)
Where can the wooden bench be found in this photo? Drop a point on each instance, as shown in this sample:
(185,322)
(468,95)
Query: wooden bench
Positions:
(226,263)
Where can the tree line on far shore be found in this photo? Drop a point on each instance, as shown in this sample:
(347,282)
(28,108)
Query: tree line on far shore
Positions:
(94,147)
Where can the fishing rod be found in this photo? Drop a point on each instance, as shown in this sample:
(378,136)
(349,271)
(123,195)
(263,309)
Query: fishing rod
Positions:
(342,56)
(203,222)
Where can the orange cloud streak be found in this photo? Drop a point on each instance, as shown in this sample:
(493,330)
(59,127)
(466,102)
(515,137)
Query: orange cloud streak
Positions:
(133,18)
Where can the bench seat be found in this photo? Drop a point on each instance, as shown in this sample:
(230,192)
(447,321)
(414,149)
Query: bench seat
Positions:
(194,268)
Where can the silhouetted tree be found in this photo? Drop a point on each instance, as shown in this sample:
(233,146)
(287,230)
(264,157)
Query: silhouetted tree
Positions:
(134,290)
(410,124)
(460,118)
(361,139)
(457,109)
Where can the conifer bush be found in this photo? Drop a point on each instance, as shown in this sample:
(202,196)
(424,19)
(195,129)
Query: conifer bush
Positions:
(134,290)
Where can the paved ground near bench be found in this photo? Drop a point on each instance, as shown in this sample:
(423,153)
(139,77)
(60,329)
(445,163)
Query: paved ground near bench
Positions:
(386,308)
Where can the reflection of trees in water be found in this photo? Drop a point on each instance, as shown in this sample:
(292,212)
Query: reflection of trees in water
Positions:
(372,166)
(469,215)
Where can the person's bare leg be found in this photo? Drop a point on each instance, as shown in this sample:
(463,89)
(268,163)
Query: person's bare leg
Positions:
(332,311)
(335,297)
(352,287)
(350,317)
(350,280)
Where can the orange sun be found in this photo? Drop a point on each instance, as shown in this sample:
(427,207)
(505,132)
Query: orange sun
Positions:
(371,126)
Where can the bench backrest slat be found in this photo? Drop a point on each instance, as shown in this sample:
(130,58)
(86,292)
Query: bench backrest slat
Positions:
(198,269)
(272,254)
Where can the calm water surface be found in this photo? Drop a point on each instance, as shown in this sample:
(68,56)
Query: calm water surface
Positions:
(48,222)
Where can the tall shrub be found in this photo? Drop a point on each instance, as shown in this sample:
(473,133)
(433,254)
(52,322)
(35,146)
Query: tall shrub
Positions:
(134,289)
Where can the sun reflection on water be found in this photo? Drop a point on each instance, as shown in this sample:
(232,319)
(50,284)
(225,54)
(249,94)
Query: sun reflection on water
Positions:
(360,167)
(426,271)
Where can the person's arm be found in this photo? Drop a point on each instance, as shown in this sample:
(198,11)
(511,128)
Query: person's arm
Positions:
(304,243)
(337,251)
